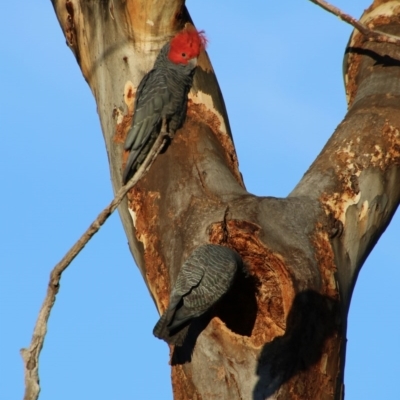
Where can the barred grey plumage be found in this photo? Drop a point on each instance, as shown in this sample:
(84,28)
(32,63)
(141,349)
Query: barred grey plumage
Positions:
(204,278)
(161,97)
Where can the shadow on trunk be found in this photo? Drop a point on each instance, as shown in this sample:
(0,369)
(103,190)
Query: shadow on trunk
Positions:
(311,320)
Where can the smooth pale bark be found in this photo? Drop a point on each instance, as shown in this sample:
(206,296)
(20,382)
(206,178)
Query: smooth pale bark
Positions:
(281,332)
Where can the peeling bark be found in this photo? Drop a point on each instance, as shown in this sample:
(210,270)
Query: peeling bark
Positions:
(280,333)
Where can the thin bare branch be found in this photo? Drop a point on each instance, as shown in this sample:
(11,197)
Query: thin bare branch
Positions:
(31,355)
(371,35)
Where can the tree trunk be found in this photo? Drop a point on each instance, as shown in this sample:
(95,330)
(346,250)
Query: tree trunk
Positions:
(281,332)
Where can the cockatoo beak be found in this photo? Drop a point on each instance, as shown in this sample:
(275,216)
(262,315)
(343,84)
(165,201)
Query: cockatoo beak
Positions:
(193,62)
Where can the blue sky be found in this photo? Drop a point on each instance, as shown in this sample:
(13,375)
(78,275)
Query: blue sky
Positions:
(280,70)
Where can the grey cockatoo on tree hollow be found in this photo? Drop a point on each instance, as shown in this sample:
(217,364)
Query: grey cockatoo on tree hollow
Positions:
(204,278)
(161,97)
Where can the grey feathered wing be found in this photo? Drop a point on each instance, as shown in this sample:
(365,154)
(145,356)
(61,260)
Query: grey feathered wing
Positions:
(205,277)
(151,98)
(189,277)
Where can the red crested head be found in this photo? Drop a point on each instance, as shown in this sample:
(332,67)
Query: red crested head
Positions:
(186,45)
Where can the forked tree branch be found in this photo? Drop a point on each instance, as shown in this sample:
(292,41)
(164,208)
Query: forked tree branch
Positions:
(31,355)
(367,32)
(87,56)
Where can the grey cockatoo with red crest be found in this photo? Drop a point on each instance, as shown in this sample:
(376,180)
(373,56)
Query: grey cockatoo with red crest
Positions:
(162,95)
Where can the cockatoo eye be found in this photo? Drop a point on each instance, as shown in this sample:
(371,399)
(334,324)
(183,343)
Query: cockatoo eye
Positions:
(184,55)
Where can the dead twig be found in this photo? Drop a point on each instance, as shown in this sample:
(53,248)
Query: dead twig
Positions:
(371,35)
(31,354)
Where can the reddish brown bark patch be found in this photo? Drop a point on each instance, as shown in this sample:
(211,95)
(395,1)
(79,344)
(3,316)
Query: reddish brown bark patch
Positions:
(124,122)
(326,263)
(182,384)
(70,29)
(312,385)
(353,68)
(145,206)
(390,155)
(121,130)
